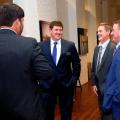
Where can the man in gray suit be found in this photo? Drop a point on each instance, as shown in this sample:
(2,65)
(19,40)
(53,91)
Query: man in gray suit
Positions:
(102,59)
(21,65)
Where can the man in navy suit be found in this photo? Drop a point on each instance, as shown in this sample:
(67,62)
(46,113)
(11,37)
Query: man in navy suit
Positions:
(21,65)
(66,68)
(112,92)
(102,59)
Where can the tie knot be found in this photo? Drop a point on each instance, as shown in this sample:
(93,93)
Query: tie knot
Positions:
(55,43)
(100,48)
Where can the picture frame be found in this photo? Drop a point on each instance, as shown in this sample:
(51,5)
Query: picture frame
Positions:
(82,41)
(44,30)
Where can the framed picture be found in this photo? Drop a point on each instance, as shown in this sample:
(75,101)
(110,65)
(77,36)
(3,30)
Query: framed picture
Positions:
(82,41)
(44,30)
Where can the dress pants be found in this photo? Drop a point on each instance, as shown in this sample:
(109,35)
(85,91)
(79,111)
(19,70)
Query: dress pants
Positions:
(65,100)
(104,115)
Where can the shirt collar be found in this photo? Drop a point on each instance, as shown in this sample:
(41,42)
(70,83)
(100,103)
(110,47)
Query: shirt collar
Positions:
(104,45)
(52,41)
(7,28)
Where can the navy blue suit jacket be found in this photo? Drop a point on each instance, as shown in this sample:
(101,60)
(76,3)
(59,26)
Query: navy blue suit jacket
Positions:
(112,92)
(67,71)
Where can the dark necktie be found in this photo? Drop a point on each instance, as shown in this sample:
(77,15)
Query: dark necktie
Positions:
(54,52)
(99,57)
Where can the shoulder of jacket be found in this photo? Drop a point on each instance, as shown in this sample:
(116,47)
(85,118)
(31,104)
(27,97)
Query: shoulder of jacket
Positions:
(113,45)
(27,38)
(67,41)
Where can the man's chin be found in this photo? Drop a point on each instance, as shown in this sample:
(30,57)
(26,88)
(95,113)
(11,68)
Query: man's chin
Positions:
(58,38)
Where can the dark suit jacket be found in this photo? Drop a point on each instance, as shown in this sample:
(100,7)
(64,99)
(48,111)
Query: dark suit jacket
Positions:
(67,71)
(21,64)
(99,77)
(112,91)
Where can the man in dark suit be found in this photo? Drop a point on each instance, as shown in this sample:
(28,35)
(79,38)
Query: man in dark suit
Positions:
(66,66)
(112,92)
(101,63)
(21,65)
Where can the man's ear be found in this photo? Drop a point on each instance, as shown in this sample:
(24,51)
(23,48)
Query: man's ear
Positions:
(15,25)
(16,22)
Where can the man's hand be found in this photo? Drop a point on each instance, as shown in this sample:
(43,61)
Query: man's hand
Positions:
(94,88)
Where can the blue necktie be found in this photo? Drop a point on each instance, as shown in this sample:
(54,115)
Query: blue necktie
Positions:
(54,52)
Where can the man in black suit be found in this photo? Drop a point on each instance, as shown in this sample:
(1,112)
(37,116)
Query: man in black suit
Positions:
(64,60)
(21,65)
(102,59)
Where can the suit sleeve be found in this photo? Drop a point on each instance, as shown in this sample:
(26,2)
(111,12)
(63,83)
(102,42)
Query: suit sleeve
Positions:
(112,90)
(76,66)
(40,66)
(93,80)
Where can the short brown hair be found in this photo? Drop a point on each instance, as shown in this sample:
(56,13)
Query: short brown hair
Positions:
(106,25)
(9,13)
(117,22)
(55,23)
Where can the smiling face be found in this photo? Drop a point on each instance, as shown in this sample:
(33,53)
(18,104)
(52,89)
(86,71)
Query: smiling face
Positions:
(116,33)
(103,34)
(56,32)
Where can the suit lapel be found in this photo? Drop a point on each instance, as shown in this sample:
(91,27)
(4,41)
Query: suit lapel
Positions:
(117,49)
(106,54)
(48,53)
(62,50)
(96,54)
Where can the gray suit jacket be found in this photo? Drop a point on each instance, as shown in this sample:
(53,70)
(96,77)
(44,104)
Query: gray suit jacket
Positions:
(99,76)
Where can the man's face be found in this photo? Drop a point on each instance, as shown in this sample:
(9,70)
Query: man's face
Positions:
(115,33)
(56,32)
(103,35)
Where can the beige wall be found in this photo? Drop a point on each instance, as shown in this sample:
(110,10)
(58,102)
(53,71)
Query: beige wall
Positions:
(31,21)
(62,14)
(86,18)
(47,10)
(80,11)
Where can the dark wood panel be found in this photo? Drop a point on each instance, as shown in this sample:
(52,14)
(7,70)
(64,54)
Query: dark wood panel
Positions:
(85,106)
(5,1)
